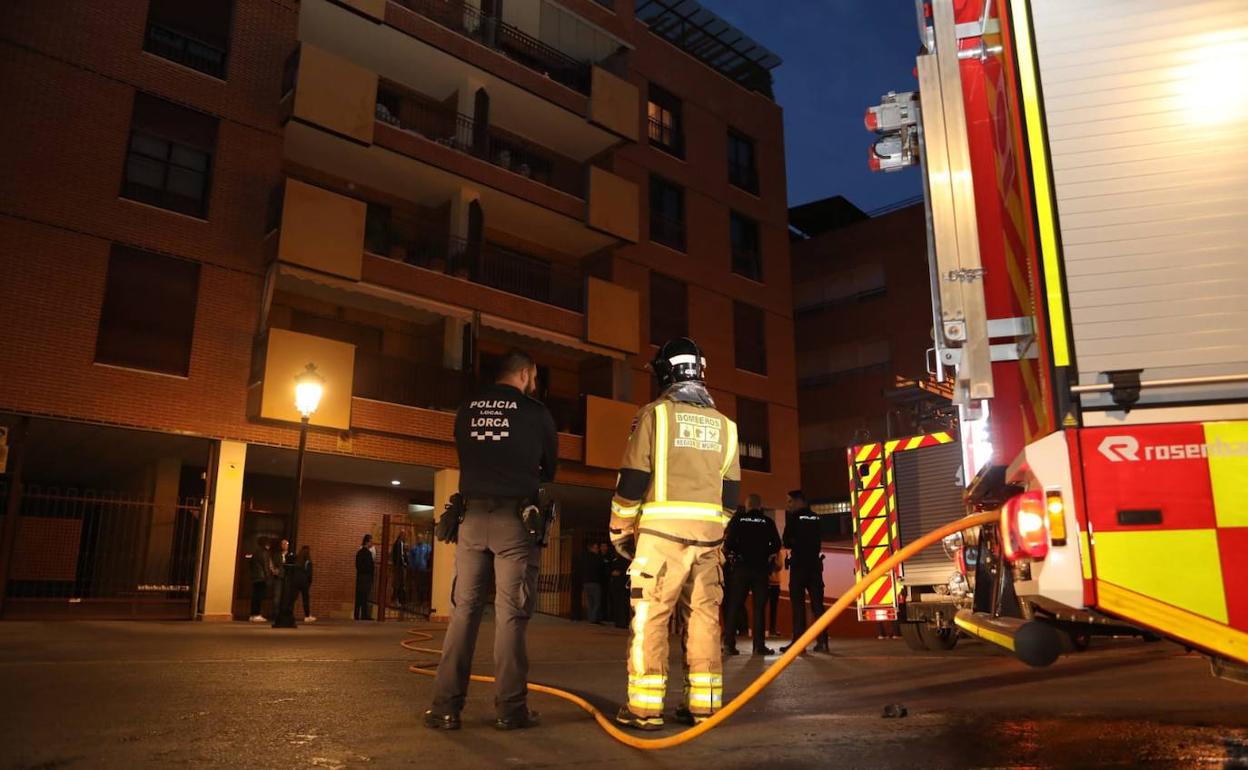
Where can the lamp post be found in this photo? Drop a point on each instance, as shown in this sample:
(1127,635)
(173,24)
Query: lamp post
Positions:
(309,387)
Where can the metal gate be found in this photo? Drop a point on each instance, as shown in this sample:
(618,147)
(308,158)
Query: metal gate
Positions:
(403,591)
(102,554)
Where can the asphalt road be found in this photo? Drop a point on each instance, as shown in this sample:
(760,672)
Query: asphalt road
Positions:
(337,695)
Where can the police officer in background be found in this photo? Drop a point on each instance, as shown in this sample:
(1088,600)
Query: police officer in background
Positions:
(507,447)
(802,537)
(750,542)
(679,483)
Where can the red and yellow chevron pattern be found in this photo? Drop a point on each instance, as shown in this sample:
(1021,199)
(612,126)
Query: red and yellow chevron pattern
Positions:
(874,507)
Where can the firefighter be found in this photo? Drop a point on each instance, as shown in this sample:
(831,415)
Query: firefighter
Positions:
(803,538)
(678,485)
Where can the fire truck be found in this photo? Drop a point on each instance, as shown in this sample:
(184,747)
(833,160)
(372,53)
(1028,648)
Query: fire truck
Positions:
(1086,182)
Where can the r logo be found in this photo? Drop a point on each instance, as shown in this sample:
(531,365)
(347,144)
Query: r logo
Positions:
(1119,448)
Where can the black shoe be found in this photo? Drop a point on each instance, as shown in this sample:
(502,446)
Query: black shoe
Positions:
(823,647)
(687,717)
(786,648)
(520,721)
(764,651)
(731,651)
(626,717)
(441,721)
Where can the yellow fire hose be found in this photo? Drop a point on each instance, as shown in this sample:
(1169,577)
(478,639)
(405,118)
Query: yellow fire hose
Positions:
(755,687)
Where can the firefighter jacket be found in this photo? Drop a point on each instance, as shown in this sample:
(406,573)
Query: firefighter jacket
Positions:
(680,477)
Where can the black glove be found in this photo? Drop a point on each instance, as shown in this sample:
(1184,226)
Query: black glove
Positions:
(625,547)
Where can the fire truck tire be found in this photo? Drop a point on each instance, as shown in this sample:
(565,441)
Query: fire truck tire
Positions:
(941,639)
(912,633)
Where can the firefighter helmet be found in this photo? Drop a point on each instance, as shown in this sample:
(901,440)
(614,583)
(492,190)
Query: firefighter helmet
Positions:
(679,360)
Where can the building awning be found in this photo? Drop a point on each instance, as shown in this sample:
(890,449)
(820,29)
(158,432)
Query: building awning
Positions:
(366,296)
(526,334)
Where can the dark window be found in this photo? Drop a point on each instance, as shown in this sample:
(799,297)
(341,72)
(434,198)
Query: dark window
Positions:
(750,337)
(193,34)
(169,159)
(669,309)
(747,259)
(665,130)
(148,316)
(741,169)
(667,213)
(754,435)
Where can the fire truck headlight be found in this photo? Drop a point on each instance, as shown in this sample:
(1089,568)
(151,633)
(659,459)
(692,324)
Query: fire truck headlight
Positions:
(1056,510)
(1025,526)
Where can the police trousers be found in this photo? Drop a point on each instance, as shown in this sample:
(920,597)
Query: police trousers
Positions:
(806,580)
(493,544)
(682,585)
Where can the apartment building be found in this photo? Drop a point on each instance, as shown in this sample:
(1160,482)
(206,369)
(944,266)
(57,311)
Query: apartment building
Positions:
(864,315)
(200,199)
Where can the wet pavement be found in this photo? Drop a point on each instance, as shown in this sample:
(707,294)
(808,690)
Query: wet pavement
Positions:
(338,695)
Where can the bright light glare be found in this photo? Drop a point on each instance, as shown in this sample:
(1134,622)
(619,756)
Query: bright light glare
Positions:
(1055,505)
(1214,88)
(309,386)
(396,482)
(1029,522)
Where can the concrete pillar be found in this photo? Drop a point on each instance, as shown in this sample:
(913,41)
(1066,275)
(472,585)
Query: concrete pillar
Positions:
(445,484)
(168,478)
(459,211)
(227,519)
(453,344)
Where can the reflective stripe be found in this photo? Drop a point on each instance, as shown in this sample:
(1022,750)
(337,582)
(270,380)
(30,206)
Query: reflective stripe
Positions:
(706,679)
(645,700)
(660,452)
(732,448)
(652,680)
(705,699)
(624,512)
(638,653)
(683,512)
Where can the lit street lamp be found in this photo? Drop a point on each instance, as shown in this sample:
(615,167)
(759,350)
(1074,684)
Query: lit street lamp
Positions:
(309,387)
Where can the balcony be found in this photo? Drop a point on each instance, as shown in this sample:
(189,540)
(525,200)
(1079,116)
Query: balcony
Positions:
(409,382)
(492,32)
(484,263)
(434,121)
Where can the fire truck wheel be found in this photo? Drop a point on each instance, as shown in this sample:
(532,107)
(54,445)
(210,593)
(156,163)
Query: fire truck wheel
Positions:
(913,634)
(941,639)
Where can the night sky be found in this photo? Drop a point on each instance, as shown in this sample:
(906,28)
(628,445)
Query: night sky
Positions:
(839,56)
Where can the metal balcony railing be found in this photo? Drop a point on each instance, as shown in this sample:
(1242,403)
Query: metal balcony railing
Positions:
(434,121)
(492,32)
(665,136)
(485,263)
(179,47)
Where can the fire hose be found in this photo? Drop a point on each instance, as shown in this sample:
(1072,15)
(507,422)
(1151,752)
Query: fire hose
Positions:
(800,644)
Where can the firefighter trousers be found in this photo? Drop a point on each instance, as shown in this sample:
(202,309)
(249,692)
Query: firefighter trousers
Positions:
(675,586)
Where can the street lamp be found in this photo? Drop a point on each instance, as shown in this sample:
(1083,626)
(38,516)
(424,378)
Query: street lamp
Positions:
(309,387)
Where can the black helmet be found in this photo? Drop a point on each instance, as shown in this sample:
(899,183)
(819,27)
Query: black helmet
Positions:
(679,360)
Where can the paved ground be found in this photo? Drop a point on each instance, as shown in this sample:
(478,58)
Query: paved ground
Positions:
(337,695)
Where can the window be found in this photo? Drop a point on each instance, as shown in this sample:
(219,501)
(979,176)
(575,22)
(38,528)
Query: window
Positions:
(747,258)
(669,309)
(741,169)
(667,213)
(195,35)
(148,316)
(169,159)
(754,435)
(750,336)
(665,130)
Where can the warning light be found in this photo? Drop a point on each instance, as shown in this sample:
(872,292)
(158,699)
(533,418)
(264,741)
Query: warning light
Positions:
(1057,516)
(1025,526)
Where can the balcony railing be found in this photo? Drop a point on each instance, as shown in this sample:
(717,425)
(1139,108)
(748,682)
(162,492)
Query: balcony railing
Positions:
(665,136)
(409,382)
(447,127)
(485,263)
(494,33)
(178,47)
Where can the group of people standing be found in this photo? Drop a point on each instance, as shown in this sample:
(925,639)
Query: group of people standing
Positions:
(604,585)
(268,574)
(411,577)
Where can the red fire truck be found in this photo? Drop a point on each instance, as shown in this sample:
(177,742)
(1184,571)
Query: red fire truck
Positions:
(1086,181)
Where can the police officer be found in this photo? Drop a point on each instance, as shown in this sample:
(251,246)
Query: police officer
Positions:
(507,447)
(679,482)
(750,542)
(802,537)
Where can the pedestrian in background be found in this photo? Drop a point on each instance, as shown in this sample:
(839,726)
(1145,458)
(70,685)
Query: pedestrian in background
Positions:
(422,552)
(305,561)
(277,572)
(364,578)
(592,569)
(398,564)
(258,566)
(508,447)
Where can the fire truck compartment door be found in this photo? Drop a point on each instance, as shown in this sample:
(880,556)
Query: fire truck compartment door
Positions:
(1145,105)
